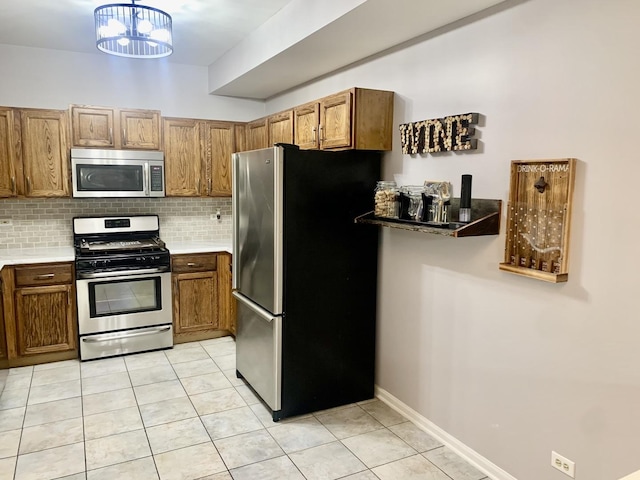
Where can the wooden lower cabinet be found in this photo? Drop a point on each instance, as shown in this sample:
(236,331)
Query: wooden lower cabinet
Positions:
(201,296)
(39,313)
(227,302)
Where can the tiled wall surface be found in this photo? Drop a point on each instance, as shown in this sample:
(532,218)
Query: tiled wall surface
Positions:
(48,222)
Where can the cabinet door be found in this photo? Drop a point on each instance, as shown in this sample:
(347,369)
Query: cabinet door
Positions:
(44,319)
(225,299)
(335,121)
(257,135)
(140,129)
(45,153)
(183,157)
(220,146)
(306,121)
(195,302)
(240,134)
(280,128)
(9,152)
(92,127)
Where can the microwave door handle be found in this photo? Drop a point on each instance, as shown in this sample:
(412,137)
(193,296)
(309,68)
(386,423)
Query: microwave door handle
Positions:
(146,179)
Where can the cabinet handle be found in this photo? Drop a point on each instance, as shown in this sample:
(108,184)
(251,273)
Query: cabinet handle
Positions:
(13,185)
(110,135)
(313,131)
(124,135)
(191,264)
(28,185)
(209,188)
(46,276)
(321,133)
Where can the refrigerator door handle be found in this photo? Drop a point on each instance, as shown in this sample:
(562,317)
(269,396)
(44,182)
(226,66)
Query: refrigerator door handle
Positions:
(264,314)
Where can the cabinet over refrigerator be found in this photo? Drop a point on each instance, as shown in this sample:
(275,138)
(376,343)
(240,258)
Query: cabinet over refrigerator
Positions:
(305,276)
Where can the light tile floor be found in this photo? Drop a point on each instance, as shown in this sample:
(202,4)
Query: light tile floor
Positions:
(182,414)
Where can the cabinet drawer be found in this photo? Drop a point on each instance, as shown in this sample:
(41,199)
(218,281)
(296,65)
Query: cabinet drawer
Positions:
(44,275)
(199,262)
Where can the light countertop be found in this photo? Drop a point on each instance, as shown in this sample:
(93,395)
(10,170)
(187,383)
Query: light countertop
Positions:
(177,247)
(20,256)
(36,255)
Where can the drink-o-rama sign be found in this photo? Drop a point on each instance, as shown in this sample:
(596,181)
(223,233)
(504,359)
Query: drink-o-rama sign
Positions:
(451,133)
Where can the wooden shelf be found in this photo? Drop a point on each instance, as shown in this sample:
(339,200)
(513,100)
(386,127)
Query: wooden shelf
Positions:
(486,215)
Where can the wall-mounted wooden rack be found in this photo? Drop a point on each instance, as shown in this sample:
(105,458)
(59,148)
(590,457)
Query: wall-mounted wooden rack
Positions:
(538,219)
(485,215)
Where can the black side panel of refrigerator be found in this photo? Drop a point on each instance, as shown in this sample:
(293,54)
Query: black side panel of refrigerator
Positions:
(330,280)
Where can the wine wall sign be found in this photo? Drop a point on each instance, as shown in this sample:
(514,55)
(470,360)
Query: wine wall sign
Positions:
(453,133)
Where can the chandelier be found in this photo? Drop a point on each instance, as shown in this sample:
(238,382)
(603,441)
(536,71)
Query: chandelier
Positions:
(134,31)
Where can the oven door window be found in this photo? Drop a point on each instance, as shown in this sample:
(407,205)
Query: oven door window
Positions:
(124,296)
(110,178)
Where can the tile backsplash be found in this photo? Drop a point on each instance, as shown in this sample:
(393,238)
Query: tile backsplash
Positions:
(47,222)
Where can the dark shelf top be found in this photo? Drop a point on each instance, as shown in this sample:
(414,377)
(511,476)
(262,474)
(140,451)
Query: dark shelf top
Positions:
(485,215)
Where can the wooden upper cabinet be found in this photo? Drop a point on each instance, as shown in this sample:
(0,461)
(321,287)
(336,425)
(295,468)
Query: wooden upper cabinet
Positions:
(335,121)
(10,151)
(104,127)
(92,127)
(358,118)
(140,129)
(45,153)
(183,157)
(280,127)
(220,146)
(240,137)
(306,122)
(257,134)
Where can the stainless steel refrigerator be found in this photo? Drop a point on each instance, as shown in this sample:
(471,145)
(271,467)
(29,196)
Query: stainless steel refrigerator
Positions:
(305,276)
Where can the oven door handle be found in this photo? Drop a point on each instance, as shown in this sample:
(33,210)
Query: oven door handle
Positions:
(123,273)
(117,336)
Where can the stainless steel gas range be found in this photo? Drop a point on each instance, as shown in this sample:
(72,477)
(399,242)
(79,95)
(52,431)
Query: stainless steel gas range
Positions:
(123,286)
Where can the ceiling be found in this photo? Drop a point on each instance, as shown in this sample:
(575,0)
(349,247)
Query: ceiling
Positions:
(249,46)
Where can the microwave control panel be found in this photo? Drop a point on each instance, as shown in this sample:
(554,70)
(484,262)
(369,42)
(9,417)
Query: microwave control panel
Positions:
(156,178)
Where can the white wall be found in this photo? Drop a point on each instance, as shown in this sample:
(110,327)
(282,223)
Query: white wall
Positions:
(515,367)
(40,78)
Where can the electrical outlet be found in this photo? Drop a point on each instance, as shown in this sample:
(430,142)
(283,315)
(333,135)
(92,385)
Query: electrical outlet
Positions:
(5,222)
(563,464)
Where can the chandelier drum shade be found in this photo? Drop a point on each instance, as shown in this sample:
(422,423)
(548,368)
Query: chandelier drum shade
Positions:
(135,31)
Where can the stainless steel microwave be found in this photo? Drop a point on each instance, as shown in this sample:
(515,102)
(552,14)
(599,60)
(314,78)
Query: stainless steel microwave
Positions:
(117,173)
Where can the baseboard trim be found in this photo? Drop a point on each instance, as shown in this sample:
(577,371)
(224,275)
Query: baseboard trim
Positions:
(474,458)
